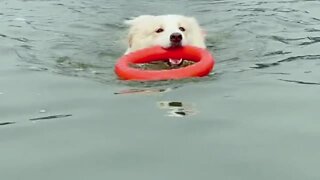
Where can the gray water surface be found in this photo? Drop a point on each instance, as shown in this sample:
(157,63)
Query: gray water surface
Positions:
(64,114)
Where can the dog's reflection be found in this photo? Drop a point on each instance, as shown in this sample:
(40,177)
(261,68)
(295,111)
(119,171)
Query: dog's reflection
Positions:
(177,108)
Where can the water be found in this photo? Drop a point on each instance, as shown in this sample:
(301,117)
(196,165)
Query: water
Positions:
(64,114)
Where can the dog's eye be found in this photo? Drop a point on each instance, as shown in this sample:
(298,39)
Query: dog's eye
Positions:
(159,30)
(182,29)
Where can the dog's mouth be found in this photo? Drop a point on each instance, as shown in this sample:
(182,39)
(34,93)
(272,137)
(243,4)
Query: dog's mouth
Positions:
(175,62)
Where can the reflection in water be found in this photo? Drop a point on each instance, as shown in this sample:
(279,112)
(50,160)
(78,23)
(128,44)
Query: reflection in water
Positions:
(174,108)
(177,108)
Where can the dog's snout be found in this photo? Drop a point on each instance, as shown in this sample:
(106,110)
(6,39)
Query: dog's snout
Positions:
(176,37)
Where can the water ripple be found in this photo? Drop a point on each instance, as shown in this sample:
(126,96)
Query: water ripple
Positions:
(300,82)
(313,40)
(289,59)
(276,53)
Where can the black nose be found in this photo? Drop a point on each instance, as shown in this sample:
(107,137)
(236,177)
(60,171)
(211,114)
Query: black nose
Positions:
(175,37)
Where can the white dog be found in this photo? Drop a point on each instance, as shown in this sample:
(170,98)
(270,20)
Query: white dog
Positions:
(168,31)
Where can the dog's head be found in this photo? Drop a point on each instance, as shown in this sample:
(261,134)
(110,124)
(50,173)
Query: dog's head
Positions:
(168,31)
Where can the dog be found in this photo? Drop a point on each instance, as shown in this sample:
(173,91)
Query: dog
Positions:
(167,31)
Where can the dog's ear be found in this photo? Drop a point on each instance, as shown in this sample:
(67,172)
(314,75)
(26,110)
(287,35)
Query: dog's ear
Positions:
(137,19)
(194,21)
(198,34)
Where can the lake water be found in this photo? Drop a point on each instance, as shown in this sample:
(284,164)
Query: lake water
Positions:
(64,114)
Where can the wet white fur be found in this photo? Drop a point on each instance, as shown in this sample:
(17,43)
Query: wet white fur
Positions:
(142,31)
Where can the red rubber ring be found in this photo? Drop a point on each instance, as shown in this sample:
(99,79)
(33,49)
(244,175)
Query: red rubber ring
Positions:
(203,66)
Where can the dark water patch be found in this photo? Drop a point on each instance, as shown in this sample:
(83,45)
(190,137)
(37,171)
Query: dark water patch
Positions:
(316,19)
(285,40)
(265,65)
(230,59)
(289,59)
(246,15)
(51,117)
(256,9)
(6,123)
(300,82)
(249,9)
(27,47)
(204,10)
(21,39)
(295,58)
(58,4)
(75,10)
(313,40)
(312,30)
(276,53)
(16,26)
(277,73)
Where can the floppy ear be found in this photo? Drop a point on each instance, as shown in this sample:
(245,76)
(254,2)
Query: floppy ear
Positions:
(135,21)
(199,35)
(193,21)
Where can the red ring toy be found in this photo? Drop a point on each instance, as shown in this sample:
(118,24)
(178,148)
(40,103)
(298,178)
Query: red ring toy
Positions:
(203,66)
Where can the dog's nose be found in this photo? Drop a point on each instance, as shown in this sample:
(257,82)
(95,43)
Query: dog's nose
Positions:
(176,37)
